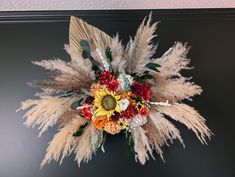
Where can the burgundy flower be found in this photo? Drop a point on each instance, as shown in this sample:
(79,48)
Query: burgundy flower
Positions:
(115,116)
(141,90)
(89,99)
(129,112)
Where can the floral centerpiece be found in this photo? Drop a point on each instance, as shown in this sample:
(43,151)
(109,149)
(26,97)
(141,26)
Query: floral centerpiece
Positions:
(107,88)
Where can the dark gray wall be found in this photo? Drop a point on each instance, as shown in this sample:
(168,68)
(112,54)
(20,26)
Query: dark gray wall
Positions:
(211,33)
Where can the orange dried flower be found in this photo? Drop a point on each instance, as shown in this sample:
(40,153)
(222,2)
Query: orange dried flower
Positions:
(100,122)
(95,87)
(112,127)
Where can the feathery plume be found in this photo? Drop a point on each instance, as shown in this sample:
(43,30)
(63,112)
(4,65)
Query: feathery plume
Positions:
(88,143)
(141,145)
(189,117)
(46,111)
(140,49)
(63,142)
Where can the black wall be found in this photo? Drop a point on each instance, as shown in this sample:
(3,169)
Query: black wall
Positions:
(26,36)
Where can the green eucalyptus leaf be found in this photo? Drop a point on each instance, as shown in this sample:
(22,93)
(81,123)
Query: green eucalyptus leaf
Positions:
(66,95)
(133,74)
(117,73)
(94,62)
(76,104)
(78,133)
(149,76)
(138,79)
(108,54)
(80,130)
(153,66)
(85,45)
(85,54)
(86,49)
(146,72)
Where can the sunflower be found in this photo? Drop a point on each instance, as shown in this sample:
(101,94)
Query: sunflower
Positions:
(106,103)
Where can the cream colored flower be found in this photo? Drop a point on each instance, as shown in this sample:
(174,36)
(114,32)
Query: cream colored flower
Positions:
(123,104)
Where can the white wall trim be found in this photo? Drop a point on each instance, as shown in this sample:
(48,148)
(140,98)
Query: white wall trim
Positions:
(33,5)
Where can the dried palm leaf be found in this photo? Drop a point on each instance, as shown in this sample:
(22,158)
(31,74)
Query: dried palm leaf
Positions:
(80,30)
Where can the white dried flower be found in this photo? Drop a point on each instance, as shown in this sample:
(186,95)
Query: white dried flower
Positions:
(123,104)
(129,78)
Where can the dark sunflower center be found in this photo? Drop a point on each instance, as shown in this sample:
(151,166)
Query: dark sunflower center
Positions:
(108,102)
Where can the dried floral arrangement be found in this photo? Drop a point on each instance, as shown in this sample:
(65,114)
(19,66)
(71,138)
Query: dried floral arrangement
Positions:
(109,88)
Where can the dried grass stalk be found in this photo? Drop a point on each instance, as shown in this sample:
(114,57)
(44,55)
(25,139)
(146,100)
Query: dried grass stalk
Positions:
(45,111)
(166,129)
(64,70)
(174,60)
(141,145)
(117,50)
(140,50)
(67,77)
(189,117)
(78,61)
(160,131)
(68,116)
(175,89)
(63,142)
(88,143)
(170,84)
(155,138)
(58,86)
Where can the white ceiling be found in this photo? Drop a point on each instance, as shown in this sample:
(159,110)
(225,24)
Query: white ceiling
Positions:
(18,5)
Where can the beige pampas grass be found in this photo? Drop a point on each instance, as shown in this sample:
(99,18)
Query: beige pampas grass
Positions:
(68,76)
(175,89)
(141,145)
(63,143)
(166,129)
(88,143)
(189,117)
(174,60)
(170,84)
(140,50)
(45,111)
(78,62)
(154,137)
(117,50)
(65,70)
(160,131)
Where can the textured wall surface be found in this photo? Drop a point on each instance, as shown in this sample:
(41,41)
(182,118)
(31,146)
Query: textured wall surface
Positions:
(18,5)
